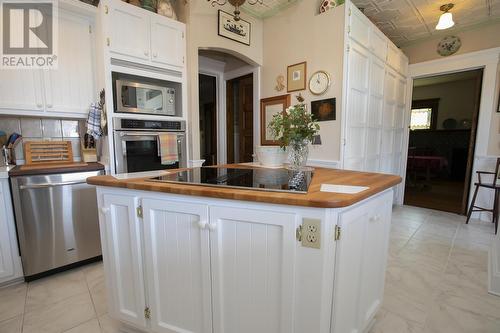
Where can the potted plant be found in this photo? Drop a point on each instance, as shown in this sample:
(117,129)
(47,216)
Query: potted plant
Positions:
(295,129)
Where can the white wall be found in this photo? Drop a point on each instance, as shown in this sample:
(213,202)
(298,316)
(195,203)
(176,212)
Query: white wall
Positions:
(474,39)
(299,34)
(202,26)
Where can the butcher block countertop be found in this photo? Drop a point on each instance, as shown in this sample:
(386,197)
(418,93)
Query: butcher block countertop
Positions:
(375,182)
(26,170)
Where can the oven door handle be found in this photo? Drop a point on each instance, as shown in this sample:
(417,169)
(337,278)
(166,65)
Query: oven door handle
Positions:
(150,134)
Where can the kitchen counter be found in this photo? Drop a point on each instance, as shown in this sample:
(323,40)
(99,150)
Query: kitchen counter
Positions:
(4,171)
(75,167)
(241,260)
(314,198)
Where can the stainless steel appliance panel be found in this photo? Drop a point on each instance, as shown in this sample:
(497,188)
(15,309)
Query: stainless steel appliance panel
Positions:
(57,220)
(135,97)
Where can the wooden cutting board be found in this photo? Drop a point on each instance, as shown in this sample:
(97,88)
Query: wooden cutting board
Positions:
(48,152)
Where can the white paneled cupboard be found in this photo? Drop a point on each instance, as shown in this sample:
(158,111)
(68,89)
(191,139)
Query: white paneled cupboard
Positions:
(376,72)
(10,261)
(137,35)
(177,263)
(65,91)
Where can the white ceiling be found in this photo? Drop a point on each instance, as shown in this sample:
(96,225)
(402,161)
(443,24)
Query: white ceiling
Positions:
(268,8)
(407,21)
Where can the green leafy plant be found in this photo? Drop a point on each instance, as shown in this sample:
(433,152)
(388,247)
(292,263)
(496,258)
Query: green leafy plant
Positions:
(293,126)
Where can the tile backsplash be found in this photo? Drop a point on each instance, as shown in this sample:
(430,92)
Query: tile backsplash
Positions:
(35,129)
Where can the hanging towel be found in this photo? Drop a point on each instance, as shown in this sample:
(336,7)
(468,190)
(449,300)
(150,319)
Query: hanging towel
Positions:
(168,148)
(94,121)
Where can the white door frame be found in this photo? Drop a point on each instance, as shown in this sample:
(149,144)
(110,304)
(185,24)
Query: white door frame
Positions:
(486,59)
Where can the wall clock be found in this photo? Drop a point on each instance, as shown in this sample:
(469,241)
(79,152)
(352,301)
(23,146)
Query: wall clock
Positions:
(319,82)
(449,45)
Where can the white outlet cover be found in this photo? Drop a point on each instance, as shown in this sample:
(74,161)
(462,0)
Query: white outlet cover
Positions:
(343,189)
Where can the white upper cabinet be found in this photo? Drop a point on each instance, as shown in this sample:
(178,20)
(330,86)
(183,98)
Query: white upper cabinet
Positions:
(21,90)
(252,257)
(128,31)
(177,256)
(67,90)
(378,43)
(167,41)
(137,35)
(70,88)
(359,27)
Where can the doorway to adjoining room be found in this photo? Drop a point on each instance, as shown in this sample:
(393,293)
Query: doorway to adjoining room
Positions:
(443,124)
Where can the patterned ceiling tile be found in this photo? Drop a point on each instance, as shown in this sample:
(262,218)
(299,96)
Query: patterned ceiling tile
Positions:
(406,21)
(267,8)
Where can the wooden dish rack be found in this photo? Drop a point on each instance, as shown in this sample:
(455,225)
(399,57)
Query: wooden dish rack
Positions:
(48,152)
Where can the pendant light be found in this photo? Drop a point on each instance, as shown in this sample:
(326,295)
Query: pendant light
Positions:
(446,19)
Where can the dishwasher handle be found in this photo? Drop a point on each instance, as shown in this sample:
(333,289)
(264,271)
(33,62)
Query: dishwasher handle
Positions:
(47,185)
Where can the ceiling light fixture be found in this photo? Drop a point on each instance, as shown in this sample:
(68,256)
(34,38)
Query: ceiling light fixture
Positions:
(237,4)
(446,19)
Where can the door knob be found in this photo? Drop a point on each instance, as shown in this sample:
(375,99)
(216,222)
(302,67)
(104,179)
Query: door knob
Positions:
(105,210)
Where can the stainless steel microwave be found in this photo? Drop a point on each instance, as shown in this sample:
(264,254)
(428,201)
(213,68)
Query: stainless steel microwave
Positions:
(134,97)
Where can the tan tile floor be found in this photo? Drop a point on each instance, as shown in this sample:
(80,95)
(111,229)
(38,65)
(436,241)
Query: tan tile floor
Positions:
(436,283)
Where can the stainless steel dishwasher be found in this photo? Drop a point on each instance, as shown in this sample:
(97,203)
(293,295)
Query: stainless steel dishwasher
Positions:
(57,221)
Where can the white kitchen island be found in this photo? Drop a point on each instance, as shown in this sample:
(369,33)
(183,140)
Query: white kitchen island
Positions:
(185,258)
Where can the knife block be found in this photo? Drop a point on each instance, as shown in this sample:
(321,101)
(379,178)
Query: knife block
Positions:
(88,154)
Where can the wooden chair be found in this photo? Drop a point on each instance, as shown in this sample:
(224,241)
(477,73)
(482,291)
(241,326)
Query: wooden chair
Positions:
(490,185)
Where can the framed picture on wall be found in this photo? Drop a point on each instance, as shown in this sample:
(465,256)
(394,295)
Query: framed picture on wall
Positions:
(268,108)
(296,77)
(238,31)
(324,110)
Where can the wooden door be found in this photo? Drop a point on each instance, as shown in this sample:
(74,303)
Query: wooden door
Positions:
(129,31)
(70,88)
(239,119)
(357,107)
(177,257)
(168,46)
(252,257)
(123,259)
(246,119)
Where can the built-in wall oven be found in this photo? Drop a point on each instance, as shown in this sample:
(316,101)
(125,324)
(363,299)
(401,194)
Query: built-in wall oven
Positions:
(137,146)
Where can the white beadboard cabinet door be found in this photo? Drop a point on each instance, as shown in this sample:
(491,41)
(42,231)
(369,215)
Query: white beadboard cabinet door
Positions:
(177,258)
(376,246)
(252,258)
(123,258)
(7,267)
(167,42)
(361,257)
(357,107)
(348,269)
(21,90)
(70,88)
(359,26)
(129,31)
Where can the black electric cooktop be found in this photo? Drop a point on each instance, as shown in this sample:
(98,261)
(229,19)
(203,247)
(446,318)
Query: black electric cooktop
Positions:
(278,180)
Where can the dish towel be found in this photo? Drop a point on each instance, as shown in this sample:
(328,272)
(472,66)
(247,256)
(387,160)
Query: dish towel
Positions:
(94,121)
(167,143)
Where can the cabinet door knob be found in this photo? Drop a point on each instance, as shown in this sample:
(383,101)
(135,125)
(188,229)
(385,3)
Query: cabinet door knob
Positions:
(49,106)
(105,210)
(212,226)
(155,55)
(39,105)
(146,53)
(202,224)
